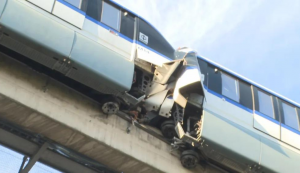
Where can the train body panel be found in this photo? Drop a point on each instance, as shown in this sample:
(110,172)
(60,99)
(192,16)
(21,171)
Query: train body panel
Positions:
(61,35)
(244,149)
(110,67)
(44,4)
(36,31)
(69,13)
(229,137)
(228,142)
(109,38)
(277,157)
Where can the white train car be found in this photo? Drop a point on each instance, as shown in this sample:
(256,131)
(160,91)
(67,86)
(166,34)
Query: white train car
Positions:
(245,126)
(209,112)
(95,42)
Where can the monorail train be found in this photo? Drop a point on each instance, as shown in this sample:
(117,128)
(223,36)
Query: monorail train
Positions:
(246,126)
(209,112)
(94,42)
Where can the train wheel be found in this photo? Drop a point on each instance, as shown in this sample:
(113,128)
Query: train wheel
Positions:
(110,106)
(168,129)
(189,159)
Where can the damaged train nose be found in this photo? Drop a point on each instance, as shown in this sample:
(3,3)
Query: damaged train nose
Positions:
(173,102)
(188,85)
(188,96)
(176,96)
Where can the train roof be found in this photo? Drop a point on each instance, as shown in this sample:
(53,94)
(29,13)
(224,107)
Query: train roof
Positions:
(114,2)
(250,81)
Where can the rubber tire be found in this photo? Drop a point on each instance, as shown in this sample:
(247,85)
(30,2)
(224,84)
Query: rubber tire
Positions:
(110,100)
(168,129)
(189,156)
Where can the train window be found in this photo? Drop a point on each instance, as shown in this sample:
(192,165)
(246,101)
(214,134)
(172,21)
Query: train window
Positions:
(111,16)
(92,8)
(298,112)
(203,68)
(246,95)
(265,104)
(150,37)
(214,79)
(75,3)
(290,116)
(230,87)
(276,108)
(127,24)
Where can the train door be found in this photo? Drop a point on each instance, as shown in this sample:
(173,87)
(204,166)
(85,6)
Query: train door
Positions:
(266,116)
(112,26)
(69,10)
(290,123)
(103,47)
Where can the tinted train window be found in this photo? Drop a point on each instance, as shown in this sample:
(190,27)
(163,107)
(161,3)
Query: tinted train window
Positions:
(298,112)
(150,37)
(214,81)
(276,108)
(227,85)
(265,104)
(127,24)
(75,3)
(290,117)
(92,8)
(230,87)
(246,95)
(111,16)
(203,68)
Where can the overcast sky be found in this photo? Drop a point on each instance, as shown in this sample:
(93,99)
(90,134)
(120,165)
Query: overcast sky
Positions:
(257,39)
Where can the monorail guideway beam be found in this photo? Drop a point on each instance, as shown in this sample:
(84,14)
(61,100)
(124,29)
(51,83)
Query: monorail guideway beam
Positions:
(74,121)
(175,93)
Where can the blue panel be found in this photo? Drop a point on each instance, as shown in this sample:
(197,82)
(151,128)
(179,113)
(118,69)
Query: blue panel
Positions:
(267,117)
(290,129)
(71,6)
(37,30)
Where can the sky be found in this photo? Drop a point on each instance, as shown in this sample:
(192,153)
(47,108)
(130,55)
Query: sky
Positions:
(10,162)
(257,39)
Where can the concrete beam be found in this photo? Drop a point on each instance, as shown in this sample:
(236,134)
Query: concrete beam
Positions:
(72,120)
(49,157)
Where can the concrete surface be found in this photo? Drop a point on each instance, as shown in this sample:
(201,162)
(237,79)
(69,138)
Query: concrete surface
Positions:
(69,118)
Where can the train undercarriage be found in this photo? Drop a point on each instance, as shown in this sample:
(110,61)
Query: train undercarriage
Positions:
(170,99)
